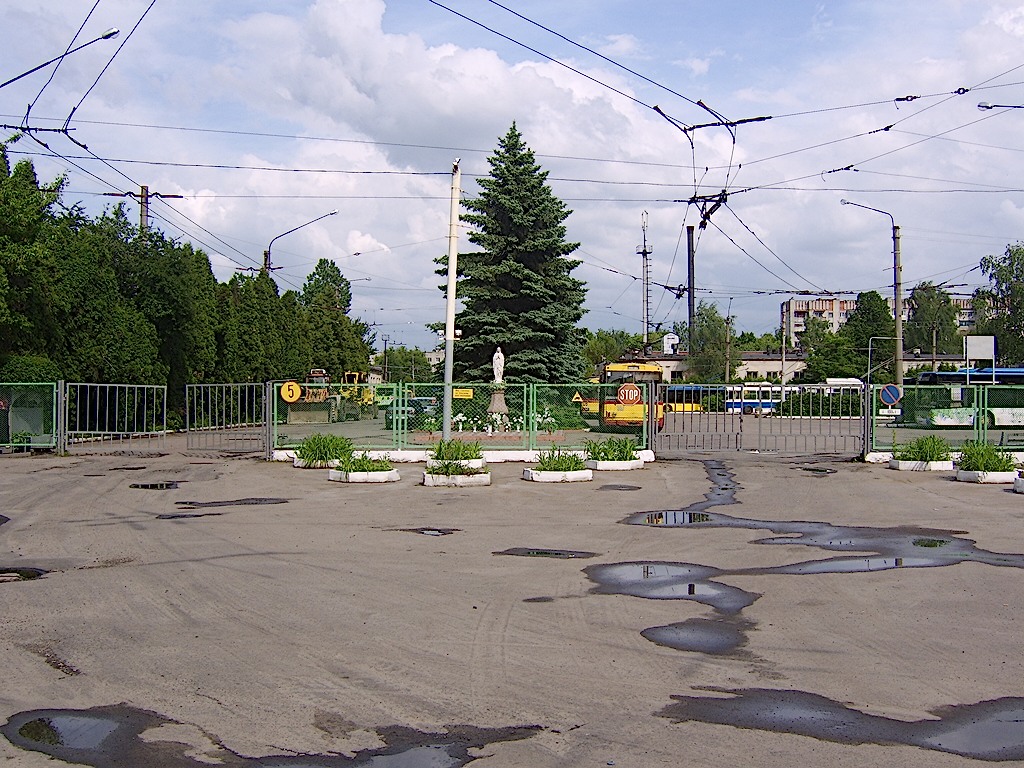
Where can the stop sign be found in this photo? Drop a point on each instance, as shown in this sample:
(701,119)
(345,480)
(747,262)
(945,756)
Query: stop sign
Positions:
(630,394)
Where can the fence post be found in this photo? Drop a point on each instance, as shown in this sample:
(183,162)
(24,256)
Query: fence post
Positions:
(60,394)
(269,416)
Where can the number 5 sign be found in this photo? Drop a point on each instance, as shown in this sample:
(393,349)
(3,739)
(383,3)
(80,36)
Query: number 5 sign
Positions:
(291,392)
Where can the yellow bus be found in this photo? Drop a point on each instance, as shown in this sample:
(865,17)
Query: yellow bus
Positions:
(624,405)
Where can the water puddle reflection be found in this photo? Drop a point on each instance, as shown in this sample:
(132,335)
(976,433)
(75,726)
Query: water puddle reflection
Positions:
(988,730)
(118,736)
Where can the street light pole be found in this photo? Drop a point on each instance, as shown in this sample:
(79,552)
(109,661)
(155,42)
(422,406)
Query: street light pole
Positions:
(897,287)
(449,317)
(266,253)
(110,33)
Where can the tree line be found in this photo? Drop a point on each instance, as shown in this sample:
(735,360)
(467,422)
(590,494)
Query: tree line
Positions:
(100,300)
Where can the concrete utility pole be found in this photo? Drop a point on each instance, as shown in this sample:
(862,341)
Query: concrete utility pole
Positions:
(645,252)
(690,281)
(144,195)
(449,318)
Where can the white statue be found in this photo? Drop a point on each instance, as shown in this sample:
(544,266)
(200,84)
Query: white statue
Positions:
(498,361)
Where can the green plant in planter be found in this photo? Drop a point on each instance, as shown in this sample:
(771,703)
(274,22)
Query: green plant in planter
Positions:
(319,447)
(557,460)
(361,462)
(926,448)
(449,468)
(456,450)
(979,456)
(612,449)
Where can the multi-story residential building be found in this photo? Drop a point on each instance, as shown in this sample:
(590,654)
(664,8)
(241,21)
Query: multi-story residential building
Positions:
(795,312)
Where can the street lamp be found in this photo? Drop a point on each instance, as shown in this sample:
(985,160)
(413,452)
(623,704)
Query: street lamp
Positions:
(985,105)
(897,287)
(266,253)
(110,33)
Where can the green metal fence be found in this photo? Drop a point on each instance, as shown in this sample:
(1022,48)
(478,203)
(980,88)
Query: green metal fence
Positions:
(409,415)
(28,415)
(955,412)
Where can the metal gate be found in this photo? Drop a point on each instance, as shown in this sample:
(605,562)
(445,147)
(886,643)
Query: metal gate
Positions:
(804,419)
(106,418)
(226,418)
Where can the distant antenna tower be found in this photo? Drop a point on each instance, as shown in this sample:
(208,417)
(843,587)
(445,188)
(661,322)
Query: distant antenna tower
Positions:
(645,252)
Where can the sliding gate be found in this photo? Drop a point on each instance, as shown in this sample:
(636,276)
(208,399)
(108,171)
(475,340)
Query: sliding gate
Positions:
(227,418)
(804,419)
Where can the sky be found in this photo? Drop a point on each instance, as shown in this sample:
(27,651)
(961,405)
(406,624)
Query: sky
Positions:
(265,116)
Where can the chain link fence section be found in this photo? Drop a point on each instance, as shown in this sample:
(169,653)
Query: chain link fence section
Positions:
(370,415)
(104,418)
(29,416)
(950,411)
(1002,416)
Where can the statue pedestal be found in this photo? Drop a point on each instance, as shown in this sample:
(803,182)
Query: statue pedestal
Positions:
(497,405)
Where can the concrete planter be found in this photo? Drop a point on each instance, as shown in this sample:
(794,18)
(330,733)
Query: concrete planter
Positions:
(1018,484)
(303,464)
(456,481)
(468,463)
(576,476)
(921,466)
(390,476)
(970,476)
(607,466)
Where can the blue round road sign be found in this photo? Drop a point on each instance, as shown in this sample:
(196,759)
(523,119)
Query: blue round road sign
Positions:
(890,394)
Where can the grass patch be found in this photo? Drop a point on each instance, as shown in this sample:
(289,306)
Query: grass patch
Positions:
(926,448)
(361,462)
(979,456)
(612,449)
(557,460)
(456,450)
(320,447)
(449,468)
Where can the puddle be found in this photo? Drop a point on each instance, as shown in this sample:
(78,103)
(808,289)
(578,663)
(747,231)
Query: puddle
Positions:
(167,485)
(186,515)
(431,531)
(859,549)
(230,503)
(819,470)
(561,554)
(117,736)
(541,599)
(125,469)
(719,636)
(619,487)
(988,730)
(20,574)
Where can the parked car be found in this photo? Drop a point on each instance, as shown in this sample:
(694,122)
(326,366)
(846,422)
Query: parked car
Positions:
(415,410)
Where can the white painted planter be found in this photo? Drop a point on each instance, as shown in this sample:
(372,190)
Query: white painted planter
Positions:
(602,466)
(303,464)
(456,481)
(968,476)
(470,463)
(1018,484)
(390,476)
(921,466)
(576,476)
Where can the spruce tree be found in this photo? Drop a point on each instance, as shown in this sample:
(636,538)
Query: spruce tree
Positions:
(516,290)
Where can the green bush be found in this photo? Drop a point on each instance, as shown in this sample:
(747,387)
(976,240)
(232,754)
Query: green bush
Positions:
(979,456)
(451,467)
(557,460)
(320,447)
(361,462)
(926,448)
(456,450)
(612,449)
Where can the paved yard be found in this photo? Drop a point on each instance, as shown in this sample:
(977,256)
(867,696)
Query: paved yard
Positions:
(327,623)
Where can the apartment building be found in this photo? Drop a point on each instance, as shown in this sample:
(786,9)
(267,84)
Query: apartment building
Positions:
(795,312)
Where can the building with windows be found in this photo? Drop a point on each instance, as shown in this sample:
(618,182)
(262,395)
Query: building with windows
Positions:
(794,314)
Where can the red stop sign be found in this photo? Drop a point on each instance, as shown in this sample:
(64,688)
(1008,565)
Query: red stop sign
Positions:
(630,394)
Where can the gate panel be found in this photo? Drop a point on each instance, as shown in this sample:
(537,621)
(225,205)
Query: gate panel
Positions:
(226,418)
(813,419)
(102,418)
(28,416)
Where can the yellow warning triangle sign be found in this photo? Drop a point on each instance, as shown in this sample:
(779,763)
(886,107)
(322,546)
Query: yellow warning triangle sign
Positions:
(577,398)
